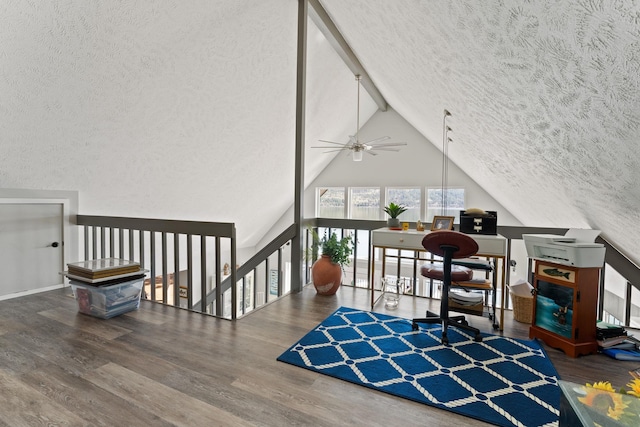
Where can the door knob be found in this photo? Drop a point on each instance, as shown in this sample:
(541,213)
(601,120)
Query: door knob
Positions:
(55,244)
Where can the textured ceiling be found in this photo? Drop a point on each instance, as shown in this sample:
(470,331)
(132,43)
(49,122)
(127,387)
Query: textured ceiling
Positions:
(544,96)
(165,109)
(186,110)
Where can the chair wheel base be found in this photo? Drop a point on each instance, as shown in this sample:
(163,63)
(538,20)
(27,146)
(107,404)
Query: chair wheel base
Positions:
(478,338)
(414,326)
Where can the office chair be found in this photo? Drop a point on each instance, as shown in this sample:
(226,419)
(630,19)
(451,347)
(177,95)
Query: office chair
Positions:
(449,245)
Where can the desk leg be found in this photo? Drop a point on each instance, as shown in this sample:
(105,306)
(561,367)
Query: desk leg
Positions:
(494,294)
(384,264)
(496,322)
(373,276)
(503,282)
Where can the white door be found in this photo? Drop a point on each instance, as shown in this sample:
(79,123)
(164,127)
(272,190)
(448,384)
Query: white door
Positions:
(31,254)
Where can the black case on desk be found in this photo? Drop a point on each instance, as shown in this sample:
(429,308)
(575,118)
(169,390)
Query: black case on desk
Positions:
(479,224)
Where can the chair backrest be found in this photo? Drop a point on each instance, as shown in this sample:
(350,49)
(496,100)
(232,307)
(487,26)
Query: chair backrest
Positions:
(437,241)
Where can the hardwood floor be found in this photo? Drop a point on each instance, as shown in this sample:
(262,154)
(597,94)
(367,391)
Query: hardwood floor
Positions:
(161,366)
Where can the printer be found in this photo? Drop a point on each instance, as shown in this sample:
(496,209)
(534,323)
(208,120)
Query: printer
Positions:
(576,248)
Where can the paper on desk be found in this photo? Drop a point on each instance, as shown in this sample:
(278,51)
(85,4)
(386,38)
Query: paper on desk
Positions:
(583,235)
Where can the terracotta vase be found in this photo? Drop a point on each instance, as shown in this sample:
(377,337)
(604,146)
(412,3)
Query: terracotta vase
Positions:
(326,276)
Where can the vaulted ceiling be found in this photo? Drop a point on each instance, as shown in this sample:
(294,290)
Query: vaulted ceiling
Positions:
(186,110)
(544,97)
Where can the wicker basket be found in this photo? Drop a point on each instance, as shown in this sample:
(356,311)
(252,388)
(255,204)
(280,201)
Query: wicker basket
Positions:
(522,307)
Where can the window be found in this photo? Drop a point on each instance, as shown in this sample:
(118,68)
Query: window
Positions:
(330,202)
(454,202)
(615,294)
(634,322)
(367,202)
(364,203)
(408,197)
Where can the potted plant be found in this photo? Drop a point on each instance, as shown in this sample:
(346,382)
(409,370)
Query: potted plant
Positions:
(394,211)
(327,271)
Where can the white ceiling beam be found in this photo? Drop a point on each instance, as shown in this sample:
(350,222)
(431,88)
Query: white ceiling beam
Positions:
(324,23)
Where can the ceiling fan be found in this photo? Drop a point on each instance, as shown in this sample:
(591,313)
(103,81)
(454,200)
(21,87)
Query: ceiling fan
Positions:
(356,146)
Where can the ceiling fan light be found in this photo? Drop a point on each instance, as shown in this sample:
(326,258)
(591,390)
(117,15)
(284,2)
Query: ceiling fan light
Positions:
(357,155)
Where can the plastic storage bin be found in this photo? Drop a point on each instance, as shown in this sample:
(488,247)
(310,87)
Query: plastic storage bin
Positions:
(108,300)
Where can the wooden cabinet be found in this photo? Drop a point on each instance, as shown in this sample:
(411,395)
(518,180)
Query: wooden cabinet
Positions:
(565,303)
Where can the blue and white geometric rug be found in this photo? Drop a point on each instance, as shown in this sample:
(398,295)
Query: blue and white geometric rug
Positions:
(503,381)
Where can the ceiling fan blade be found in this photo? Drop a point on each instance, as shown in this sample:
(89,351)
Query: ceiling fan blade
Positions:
(373,141)
(372,153)
(383,149)
(333,142)
(387,144)
(332,150)
(331,147)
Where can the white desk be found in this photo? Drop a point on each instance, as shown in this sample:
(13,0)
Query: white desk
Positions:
(492,246)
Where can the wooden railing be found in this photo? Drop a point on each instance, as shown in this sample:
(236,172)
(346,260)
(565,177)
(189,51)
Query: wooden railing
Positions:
(176,254)
(185,260)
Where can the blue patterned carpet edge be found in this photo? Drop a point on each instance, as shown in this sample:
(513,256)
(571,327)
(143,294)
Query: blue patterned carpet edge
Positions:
(501,380)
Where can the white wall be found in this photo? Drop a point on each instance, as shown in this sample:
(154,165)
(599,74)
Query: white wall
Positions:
(417,164)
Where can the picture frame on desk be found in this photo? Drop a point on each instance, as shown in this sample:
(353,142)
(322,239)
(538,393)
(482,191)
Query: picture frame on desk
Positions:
(442,223)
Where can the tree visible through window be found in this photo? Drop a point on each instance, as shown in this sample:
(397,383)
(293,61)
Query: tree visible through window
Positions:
(330,202)
(454,198)
(364,203)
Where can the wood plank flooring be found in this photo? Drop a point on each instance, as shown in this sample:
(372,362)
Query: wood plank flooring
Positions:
(161,366)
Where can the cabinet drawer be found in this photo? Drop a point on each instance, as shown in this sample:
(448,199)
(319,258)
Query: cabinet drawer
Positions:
(412,240)
(491,245)
(398,239)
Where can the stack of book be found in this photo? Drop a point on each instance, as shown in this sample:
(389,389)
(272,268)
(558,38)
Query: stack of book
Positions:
(462,299)
(99,271)
(609,335)
(614,341)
